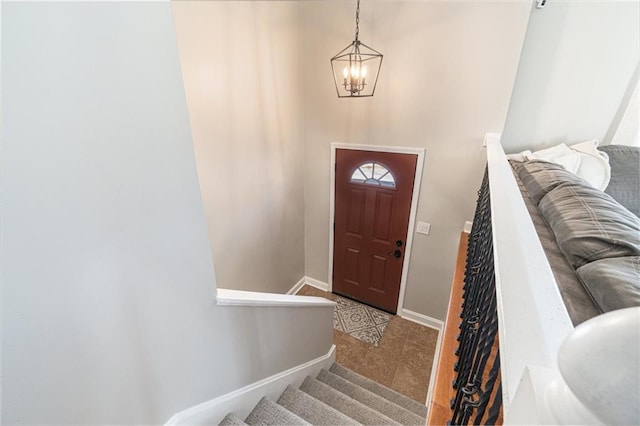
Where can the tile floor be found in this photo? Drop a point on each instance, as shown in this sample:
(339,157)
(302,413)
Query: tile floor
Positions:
(402,360)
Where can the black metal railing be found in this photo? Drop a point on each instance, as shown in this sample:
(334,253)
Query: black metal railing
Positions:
(478,395)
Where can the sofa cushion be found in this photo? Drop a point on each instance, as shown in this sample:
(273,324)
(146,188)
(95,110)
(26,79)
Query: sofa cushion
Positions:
(540,177)
(624,185)
(613,283)
(589,225)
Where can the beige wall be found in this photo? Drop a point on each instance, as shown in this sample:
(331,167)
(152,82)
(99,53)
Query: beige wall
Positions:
(107,279)
(263,113)
(240,64)
(446,79)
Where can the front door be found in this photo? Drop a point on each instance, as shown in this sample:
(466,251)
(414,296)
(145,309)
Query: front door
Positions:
(372,205)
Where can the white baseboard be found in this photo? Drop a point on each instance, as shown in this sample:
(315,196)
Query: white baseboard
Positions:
(422,319)
(241,401)
(434,370)
(308,281)
(316,283)
(297,286)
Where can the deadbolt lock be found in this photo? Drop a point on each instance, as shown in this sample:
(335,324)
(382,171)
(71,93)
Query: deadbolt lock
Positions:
(396,253)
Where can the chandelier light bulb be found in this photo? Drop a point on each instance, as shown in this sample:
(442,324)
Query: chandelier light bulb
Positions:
(357,79)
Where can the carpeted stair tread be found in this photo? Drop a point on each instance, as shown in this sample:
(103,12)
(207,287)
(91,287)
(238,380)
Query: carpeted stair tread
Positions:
(343,403)
(383,391)
(370,399)
(269,413)
(232,420)
(312,410)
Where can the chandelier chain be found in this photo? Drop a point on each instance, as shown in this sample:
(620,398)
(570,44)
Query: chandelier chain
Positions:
(357,19)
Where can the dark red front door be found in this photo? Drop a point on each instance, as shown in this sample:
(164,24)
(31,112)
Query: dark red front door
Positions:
(372,205)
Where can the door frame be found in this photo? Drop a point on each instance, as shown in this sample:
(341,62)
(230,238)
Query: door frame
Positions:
(415,195)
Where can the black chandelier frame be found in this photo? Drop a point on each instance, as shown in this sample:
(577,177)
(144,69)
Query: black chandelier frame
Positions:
(352,59)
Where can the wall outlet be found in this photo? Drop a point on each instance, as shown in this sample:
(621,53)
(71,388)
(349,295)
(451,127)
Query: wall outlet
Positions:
(467,227)
(423,228)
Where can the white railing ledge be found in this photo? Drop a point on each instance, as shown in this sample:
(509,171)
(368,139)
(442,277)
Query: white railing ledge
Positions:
(227,297)
(532,318)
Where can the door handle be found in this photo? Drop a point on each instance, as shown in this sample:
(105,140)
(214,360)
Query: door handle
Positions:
(396,253)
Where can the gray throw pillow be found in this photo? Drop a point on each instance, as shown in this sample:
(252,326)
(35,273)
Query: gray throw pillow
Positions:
(624,185)
(540,177)
(613,283)
(589,225)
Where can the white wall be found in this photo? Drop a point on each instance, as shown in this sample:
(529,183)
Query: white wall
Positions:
(626,130)
(107,279)
(241,68)
(1,286)
(446,79)
(576,66)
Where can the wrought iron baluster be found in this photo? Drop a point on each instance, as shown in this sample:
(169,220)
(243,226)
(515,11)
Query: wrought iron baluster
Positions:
(478,325)
(491,380)
(494,411)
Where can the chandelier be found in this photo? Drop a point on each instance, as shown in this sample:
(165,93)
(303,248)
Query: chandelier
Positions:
(356,67)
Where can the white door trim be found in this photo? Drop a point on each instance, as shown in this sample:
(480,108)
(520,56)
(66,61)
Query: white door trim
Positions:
(420,152)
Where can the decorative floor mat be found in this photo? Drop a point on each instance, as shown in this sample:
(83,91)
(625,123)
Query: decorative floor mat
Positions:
(360,321)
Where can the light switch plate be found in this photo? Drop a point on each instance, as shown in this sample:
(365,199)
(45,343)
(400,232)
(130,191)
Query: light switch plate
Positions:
(467,227)
(423,228)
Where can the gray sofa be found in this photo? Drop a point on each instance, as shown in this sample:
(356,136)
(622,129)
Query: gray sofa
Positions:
(624,186)
(598,232)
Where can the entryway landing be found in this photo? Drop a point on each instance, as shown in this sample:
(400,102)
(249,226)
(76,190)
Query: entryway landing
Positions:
(402,360)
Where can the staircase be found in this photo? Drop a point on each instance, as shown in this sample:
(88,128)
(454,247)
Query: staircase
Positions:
(337,396)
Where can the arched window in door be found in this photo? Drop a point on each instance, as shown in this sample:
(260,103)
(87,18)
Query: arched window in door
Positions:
(373,173)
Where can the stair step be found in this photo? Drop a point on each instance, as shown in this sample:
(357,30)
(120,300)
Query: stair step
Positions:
(378,389)
(370,399)
(269,413)
(232,420)
(311,409)
(346,405)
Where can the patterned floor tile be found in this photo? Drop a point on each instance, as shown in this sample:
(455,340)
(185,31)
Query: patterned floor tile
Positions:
(360,321)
